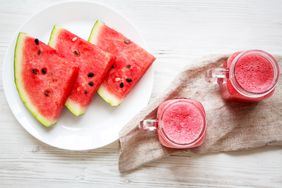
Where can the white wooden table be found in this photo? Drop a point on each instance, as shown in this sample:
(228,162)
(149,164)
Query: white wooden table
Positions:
(177,32)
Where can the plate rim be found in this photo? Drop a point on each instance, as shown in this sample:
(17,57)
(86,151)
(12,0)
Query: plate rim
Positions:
(10,46)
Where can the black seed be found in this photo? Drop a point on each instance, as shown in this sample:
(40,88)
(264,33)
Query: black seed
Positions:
(36,41)
(47,93)
(91,83)
(128,80)
(121,85)
(90,74)
(113,66)
(126,41)
(44,70)
(34,71)
(85,92)
(38,52)
(128,66)
(76,52)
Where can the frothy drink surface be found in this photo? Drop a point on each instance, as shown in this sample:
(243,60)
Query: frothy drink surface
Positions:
(182,122)
(254,73)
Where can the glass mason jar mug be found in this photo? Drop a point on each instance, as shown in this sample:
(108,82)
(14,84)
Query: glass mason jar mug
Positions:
(180,123)
(246,76)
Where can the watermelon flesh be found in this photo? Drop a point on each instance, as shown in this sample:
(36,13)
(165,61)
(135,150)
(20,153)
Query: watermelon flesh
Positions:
(93,65)
(43,78)
(130,64)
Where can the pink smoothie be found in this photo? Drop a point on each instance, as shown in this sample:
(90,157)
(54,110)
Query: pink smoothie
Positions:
(252,76)
(254,73)
(182,121)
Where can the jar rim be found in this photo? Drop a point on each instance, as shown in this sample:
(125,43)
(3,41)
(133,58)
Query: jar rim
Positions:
(203,126)
(239,88)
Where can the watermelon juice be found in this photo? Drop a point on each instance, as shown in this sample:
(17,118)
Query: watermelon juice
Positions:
(248,76)
(180,123)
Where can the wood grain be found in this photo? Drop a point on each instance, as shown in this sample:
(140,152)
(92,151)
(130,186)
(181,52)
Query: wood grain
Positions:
(177,32)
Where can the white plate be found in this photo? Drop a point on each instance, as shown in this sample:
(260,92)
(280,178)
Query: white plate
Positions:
(101,123)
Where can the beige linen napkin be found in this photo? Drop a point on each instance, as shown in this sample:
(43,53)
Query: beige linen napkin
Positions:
(230,126)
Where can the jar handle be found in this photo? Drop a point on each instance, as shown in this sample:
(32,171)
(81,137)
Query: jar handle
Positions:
(148,124)
(215,73)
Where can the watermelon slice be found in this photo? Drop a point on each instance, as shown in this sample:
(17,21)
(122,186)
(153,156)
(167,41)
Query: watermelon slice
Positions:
(43,79)
(130,65)
(93,64)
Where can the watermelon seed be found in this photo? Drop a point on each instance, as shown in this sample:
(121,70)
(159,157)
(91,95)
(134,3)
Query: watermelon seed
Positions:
(76,52)
(34,71)
(117,79)
(128,66)
(113,66)
(91,83)
(47,93)
(90,74)
(85,92)
(74,39)
(128,80)
(121,85)
(44,70)
(36,41)
(38,52)
(126,41)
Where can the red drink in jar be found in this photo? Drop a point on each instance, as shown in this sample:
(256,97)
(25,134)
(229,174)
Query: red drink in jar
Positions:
(247,76)
(180,123)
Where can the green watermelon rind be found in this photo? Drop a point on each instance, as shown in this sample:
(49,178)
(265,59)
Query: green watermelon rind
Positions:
(54,33)
(103,92)
(108,96)
(74,107)
(71,105)
(95,31)
(19,85)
